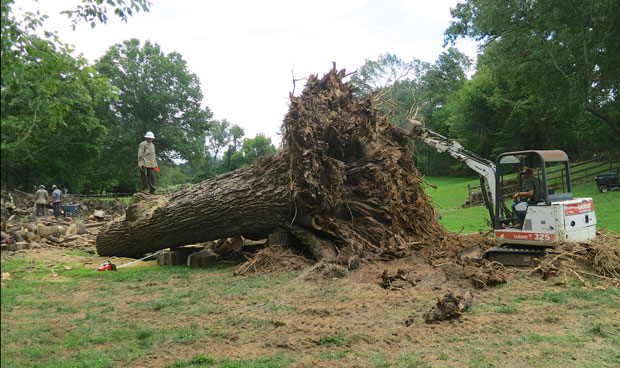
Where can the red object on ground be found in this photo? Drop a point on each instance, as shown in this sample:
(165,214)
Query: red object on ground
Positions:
(108,266)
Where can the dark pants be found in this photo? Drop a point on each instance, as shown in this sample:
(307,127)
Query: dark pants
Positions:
(41,209)
(148,179)
(57,209)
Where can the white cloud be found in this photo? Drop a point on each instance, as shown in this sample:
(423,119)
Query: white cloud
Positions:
(245,52)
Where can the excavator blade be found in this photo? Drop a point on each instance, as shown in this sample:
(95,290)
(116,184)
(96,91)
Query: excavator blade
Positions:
(474,253)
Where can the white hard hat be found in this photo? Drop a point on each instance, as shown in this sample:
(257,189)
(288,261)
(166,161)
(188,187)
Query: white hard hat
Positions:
(149,135)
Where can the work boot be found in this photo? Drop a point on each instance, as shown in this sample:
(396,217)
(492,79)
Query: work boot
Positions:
(152,192)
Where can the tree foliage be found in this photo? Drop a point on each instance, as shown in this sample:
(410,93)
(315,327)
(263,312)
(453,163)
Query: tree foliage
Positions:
(556,51)
(49,129)
(91,10)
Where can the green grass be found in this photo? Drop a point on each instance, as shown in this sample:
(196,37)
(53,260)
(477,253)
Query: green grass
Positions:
(451,193)
(110,199)
(195,312)
(210,361)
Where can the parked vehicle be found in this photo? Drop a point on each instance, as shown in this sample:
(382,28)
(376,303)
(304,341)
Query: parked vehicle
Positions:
(607,181)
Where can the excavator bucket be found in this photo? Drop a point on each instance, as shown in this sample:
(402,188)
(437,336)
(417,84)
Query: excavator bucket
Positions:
(408,127)
(473,253)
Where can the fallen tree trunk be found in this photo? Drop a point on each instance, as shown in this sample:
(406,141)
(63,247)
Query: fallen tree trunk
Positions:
(249,202)
(343,175)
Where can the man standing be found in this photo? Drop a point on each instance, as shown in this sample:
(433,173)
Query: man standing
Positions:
(147,163)
(41,199)
(56,198)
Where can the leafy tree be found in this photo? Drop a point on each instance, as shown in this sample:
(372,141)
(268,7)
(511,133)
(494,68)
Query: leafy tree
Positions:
(219,137)
(49,129)
(386,71)
(393,82)
(564,50)
(156,92)
(236,133)
(446,76)
(251,150)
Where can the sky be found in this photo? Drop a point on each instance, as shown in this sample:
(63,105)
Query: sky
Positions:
(246,53)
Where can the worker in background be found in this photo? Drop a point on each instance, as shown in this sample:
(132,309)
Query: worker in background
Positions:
(40,199)
(56,199)
(530,195)
(147,163)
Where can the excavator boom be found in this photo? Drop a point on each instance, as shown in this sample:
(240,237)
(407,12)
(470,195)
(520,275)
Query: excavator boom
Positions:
(485,168)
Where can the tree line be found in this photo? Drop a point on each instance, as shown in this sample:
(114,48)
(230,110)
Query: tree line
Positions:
(546,77)
(67,121)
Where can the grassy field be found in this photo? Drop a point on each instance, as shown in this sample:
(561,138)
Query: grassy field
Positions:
(56,312)
(452,192)
(67,316)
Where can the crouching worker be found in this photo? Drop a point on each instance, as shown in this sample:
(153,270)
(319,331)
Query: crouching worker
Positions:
(530,194)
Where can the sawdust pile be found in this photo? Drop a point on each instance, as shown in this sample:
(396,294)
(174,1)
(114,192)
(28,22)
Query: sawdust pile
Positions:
(352,175)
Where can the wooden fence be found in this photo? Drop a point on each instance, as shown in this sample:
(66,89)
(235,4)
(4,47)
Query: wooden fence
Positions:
(581,172)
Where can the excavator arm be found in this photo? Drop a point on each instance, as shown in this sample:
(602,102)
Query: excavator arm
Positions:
(485,168)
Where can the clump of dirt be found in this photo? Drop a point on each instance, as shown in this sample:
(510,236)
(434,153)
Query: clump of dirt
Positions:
(397,281)
(449,307)
(448,246)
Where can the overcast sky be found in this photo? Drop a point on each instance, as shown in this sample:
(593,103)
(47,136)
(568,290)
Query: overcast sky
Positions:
(246,53)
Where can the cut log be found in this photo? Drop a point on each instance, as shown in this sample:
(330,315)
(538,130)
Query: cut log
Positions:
(344,180)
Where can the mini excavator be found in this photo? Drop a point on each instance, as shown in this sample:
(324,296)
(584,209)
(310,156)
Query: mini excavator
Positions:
(526,232)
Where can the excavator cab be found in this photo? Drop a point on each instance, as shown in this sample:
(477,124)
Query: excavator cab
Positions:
(550,168)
